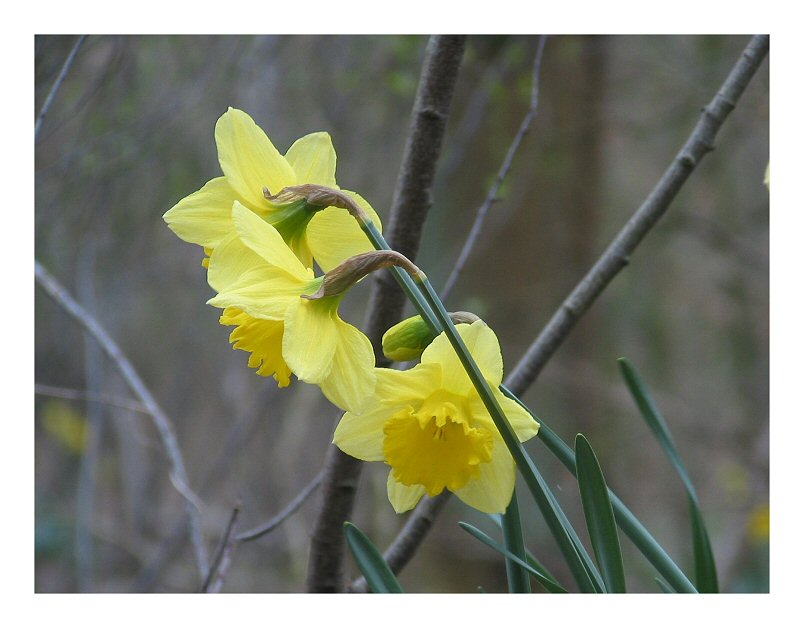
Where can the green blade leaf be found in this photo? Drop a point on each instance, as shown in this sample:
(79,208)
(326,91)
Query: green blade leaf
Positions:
(529,557)
(633,528)
(372,565)
(599,516)
(546,581)
(518,581)
(705,569)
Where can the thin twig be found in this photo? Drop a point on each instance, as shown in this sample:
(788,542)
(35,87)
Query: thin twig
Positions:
(286,512)
(616,256)
(492,197)
(84,395)
(57,84)
(412,201)
(215,569)
(178,475)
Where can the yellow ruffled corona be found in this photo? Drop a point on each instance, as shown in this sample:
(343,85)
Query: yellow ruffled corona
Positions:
(431,427)
(262,286)
(252,170)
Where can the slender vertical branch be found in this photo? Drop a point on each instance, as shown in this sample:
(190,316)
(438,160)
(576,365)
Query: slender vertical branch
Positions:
(505,167)
(57,85)
(178,475)
(222,558)
(412,201)
(616,256)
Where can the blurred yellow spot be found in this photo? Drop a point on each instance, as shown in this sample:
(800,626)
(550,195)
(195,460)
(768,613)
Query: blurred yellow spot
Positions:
(759,524)
(65,425)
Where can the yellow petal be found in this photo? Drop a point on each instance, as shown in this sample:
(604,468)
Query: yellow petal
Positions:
(525,426)
(522,422)
(204,217)
(312,158)
(229,261)
(361,435)
(262,339)
(333,235)
(483,347)
(249,159)
(403,498)
(311,338)
(407,387)
(266,242)
(493,487)
(260,292)
(350,383)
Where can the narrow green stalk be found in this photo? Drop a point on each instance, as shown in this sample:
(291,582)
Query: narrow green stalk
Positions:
(403,278)
(629,524)
(582,570)
(432,310)
(518,579)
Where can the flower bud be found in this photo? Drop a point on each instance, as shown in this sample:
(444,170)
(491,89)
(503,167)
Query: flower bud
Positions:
(341,278)
(316,195)
(408,339)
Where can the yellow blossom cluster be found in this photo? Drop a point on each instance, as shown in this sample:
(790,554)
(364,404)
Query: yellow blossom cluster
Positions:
(428,423)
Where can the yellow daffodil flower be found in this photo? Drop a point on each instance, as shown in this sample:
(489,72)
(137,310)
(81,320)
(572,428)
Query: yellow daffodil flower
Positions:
(431,427)
(253,169)
(261,286)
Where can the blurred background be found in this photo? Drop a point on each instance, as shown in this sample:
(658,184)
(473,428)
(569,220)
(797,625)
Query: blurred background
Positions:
(131,133)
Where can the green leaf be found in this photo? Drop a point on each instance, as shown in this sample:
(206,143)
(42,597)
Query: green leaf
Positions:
(705,569)
(629,524)
(518,581)
(372,565)
(599,516)
(546,581)
(529,557)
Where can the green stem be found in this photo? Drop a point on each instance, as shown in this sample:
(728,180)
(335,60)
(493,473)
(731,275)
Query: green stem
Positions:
(420,291)
(518,578)
(556,521)
(403,278)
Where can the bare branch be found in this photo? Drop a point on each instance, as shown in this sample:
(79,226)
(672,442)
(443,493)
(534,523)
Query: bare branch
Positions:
(57,85)
(412,201)
(178,475)
(492,197)
(83,395)
(616,256)
(226,547)
(286,512)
